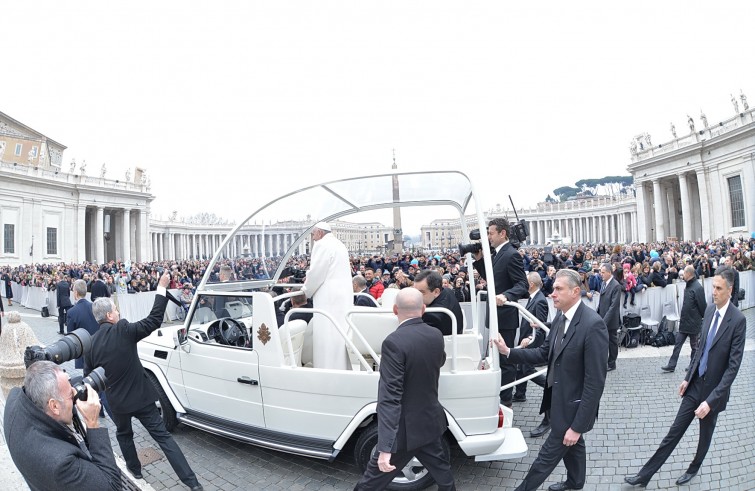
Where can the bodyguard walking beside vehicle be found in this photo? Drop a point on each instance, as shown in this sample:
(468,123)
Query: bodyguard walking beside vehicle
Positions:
(690,319)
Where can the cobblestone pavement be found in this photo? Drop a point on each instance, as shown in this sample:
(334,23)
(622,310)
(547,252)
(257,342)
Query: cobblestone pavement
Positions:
(638,406)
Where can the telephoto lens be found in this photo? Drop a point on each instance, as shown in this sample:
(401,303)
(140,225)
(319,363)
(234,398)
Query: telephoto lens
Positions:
(96,379)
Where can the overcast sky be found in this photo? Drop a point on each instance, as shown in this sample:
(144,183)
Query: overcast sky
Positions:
(229,104)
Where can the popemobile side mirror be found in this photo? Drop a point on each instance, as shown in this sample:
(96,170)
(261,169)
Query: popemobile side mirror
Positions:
(180,336)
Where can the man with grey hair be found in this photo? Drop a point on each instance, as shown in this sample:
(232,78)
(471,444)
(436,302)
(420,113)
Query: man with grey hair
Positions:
(608,309)
(576,354)
(410,420)
(362,297)
(130,392)
(690,319)
(47,450)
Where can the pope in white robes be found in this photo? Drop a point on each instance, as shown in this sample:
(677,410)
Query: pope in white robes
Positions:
(328,283)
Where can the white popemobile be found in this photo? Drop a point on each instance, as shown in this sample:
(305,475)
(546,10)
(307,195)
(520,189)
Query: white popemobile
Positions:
(232,370)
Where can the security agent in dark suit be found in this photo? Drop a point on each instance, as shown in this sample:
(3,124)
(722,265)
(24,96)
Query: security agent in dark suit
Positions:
(576,357)
(705,390)
(48,453)
(411,421)
(532,338)
(63,294)
(510,285)
(608,309)
(129,392)
(359,285)
(80,315)
(99,289)
(430,285)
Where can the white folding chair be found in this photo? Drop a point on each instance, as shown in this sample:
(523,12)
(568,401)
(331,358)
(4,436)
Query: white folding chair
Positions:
(646,321)
(669,311)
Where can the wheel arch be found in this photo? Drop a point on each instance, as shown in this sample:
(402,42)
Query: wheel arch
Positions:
(155,371)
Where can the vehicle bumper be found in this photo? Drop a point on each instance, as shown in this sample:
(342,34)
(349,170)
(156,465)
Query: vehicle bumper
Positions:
(513,446)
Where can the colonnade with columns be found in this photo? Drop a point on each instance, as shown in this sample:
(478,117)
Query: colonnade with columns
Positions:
(614,227)
(105,233)
(180,245)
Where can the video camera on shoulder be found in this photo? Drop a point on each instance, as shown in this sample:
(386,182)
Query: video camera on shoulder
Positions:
(71,346)
(295,275)
(473,247)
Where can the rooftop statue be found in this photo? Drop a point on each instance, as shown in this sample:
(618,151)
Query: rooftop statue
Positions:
(673,130)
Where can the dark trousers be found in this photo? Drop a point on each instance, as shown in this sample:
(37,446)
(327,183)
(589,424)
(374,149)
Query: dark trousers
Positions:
(508,370)
(62,315)
(694,340)
(150,419)
(551,453)
(523,370)
(691,400)
(431,456)
(613,346)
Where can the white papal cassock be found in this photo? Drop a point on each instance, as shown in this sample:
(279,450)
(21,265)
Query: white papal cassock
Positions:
(328,283)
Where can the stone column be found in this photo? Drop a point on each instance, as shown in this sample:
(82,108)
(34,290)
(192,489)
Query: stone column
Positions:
(126,231)
(81,224)
(659,201)
(99,239)
(748,185)
(686,212)
(670,203)
(702,186)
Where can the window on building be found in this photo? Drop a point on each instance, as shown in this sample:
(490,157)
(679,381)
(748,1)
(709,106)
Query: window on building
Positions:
(34,152)
(736,201)
(52,241)
(19,147)
(9,238)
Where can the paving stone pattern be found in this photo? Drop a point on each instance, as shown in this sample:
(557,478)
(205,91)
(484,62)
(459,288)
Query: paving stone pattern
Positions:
(637,408)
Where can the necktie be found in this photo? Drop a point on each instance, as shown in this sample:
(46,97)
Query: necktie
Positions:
(603,288)
(708,341)
(559,333)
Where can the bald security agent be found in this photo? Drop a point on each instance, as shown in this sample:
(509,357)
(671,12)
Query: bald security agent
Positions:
(706,388)
(47,451)
(608,309)
(129,392)
(575,352)
(411,421)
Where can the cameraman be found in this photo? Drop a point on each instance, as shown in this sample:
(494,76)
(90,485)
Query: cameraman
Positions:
(130,393)
(48,452)
(510,285)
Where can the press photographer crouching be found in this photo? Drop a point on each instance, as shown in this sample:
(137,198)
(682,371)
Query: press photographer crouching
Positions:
(46,439)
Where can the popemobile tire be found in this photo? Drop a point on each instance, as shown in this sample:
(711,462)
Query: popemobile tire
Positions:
(414,477)
(167,412)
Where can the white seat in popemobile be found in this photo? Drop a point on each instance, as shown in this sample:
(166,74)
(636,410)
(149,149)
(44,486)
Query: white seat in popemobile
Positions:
(374,327)
(467,352)
(388,298)
(297,329)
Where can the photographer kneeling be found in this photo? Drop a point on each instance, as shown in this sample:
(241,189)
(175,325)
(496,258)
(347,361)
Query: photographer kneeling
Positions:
(41,438)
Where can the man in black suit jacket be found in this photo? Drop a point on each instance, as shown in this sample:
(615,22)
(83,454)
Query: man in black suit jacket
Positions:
(532,338)
(80,315)
(411,421)
(99,289)
(130,393)
(575,380)
(359,285)
(705,390)
(608,309)
(63,294)
(510,285)
(430,285)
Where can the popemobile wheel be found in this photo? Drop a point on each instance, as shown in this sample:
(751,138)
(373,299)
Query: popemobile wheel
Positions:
(413,477)
(167,412)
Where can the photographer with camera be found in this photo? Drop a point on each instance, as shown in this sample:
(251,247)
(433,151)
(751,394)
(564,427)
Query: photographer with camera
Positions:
(510,285)
(130,392)
(39,431)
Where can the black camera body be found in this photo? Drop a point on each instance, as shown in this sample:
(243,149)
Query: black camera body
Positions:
(473,247)
(96,379)
(294,274)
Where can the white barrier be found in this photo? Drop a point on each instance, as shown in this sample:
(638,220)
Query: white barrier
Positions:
(137,305)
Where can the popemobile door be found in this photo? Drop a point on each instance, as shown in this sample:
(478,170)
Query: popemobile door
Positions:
(222,381)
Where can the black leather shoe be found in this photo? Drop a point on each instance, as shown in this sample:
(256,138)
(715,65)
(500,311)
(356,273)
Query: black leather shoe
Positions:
(540,430)
(685,478)
(519,398)
(610,368)
(668,369)
(637,481)
(198,487)
(136,474)
(562,486)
